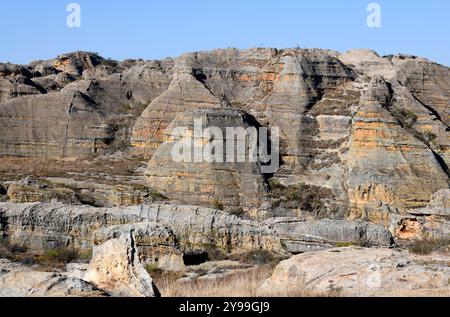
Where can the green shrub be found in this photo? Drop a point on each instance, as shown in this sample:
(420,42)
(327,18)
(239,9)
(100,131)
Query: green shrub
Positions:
(409,116)
(275,184)
(429,136)
(344,244)
(152,268)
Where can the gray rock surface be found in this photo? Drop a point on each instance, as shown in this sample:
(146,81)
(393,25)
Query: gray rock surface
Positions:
(360,272)
(156,244)
(17,280)
(40,226)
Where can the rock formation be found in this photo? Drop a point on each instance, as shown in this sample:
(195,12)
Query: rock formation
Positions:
(361,272)
(45,226)
(117,268)
(87,161)
(18,280)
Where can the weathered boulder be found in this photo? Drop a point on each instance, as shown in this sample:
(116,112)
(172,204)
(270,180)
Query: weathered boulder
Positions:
(116,268)
(307,236)
(360,272)
(155,244)
(17,280)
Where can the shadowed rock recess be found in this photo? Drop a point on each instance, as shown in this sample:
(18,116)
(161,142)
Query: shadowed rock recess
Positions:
(86,163)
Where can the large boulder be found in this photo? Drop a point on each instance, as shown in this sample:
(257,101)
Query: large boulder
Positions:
(116,267)
(156,244)
(17,280)
(360,272)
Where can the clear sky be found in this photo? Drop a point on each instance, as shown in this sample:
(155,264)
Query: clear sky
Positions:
(153,29)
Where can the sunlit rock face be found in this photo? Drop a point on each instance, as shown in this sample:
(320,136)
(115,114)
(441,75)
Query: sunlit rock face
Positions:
(221,175)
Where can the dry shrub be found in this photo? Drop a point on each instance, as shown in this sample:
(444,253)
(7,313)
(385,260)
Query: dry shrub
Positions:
(427,246)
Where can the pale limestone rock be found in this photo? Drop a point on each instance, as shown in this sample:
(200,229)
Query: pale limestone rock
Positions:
(360,272)
(155,244)
(116,268)
(17,280)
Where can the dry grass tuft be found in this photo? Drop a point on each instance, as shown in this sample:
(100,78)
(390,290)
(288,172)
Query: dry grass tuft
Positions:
(245,284)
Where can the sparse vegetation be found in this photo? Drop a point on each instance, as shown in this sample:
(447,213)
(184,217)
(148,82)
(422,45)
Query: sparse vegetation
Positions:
(218,205)
(59,256)
(157,196)
(275,184)
(152,268)
(344,244)
(409,116)
(244,284)
(308,198)
(427,246)
(257,257)
(429,136)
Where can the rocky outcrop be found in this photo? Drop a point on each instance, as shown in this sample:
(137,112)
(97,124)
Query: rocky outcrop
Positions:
(155,244)
(299,237)
(389,169)
(17,280)
(47,226)
(117,268)
(86,107)
(42,226)
(431,222)
(361,272)
(221,179)
(29,190)
(368,134)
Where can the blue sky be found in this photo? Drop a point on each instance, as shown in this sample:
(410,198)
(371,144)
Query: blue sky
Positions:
(152,29)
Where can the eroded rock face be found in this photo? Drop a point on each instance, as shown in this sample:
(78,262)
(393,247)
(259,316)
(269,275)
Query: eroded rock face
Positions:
(429,222)
(361,272)
(42,226)
(238,183)
(389,168)
(155,244)
(29,190)
(75,105)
